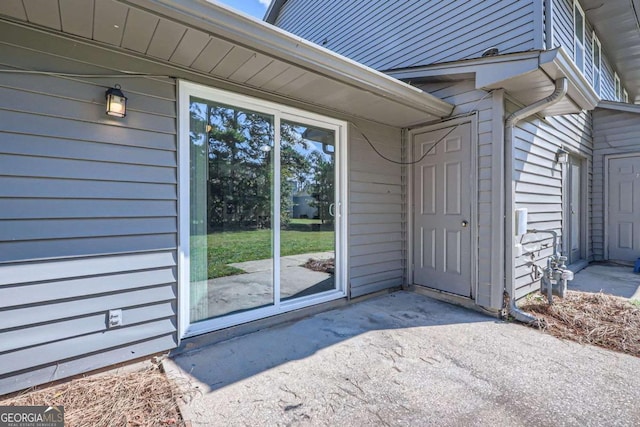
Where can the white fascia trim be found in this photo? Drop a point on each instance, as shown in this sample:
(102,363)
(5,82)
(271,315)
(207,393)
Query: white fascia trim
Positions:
(619,106)
(222,21)
(491,72)
(557,63)
(465,66)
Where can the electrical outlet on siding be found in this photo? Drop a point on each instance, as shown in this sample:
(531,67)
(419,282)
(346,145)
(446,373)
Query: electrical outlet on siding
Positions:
(114,318)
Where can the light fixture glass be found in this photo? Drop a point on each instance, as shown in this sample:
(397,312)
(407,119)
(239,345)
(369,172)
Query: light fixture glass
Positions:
(116,102)
(562,156)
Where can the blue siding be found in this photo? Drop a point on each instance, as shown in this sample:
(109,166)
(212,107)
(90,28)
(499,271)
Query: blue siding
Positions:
(88,214)
(394,34)
(563,36)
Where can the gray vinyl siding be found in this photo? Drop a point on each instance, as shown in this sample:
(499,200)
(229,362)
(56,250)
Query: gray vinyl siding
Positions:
(88,215)
(88,208)
(376,218)
(608,88)
(386,34)
(562,12)
(614,132)
(539,182)
(563,36)
(466,99)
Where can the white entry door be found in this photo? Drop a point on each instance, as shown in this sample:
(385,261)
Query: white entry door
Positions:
(442,209)
(623,224)
(573,208)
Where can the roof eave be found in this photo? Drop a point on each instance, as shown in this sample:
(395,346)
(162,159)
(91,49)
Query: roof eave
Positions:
(557,63)
(270,40)
(619,106)
(502,70)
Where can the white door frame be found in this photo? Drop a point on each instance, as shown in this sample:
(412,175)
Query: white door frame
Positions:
(585,216)
(605,190)
(279,111)
(473,121)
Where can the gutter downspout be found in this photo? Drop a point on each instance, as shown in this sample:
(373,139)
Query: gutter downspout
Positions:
(509,191)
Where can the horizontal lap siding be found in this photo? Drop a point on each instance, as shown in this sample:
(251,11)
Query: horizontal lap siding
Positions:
(562,12)
(88,218)
(376,211)
(563,36)
(539,182)
(614,132)
(467,98)
(388,34)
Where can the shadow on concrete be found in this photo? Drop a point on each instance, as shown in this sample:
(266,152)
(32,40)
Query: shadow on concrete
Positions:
(609,278)
(221,364)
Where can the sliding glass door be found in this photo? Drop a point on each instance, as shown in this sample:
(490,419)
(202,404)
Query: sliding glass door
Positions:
(231,192)
(308,203)
(261,226)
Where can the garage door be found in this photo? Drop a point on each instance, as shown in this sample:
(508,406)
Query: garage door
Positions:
(623,223)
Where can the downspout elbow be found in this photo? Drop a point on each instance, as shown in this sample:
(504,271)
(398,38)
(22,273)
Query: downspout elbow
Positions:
(561,87)
(519,315)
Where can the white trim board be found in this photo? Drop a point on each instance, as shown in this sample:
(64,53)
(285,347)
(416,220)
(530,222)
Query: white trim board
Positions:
(279,112)
(605,191)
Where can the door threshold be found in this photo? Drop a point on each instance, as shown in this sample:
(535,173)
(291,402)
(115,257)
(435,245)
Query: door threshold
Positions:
(578,265)
(459,300)
(197,342)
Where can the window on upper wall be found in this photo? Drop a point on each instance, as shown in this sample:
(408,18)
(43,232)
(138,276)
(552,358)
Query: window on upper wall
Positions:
(617,87)
(578,35)
(625,96)
(597,63)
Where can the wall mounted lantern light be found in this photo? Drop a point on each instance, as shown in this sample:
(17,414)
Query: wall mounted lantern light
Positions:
(562,156)
(116,102)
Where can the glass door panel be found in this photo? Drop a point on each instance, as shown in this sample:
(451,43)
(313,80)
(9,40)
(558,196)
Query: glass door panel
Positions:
(231,209)
(308,209)
(575,211)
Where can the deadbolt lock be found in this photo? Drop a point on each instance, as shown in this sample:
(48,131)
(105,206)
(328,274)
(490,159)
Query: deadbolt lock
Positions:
(465,223)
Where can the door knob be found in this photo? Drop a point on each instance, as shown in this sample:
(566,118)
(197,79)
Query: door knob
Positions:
(465,223)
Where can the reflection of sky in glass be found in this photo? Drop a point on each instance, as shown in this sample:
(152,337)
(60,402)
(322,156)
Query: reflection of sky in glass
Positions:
(309,146)
(199,110)
(303,146)
(312,146)
(311,149)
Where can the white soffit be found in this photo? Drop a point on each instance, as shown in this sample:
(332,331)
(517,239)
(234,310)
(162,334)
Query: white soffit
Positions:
(527,76)
(214,40)
(617,25)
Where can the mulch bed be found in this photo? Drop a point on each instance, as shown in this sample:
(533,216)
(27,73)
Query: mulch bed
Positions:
(140,398)
(598,319)
(322,265)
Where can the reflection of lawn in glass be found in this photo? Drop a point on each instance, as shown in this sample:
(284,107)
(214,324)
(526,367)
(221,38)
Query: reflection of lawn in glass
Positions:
(239,246)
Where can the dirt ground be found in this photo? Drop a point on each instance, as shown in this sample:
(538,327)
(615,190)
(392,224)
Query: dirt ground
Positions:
(132,398)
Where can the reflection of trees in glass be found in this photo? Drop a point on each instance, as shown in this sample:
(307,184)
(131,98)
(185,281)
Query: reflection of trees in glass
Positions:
(294,167)
(322,185)
(239,173)
(239,150)
(314,176)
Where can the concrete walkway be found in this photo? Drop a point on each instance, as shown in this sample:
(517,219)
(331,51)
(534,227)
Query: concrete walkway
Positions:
(254,288)
(404,359)
(611,279)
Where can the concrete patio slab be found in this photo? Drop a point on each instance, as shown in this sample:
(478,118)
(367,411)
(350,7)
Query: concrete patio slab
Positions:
(611,279)
(254,288)
(405,359)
